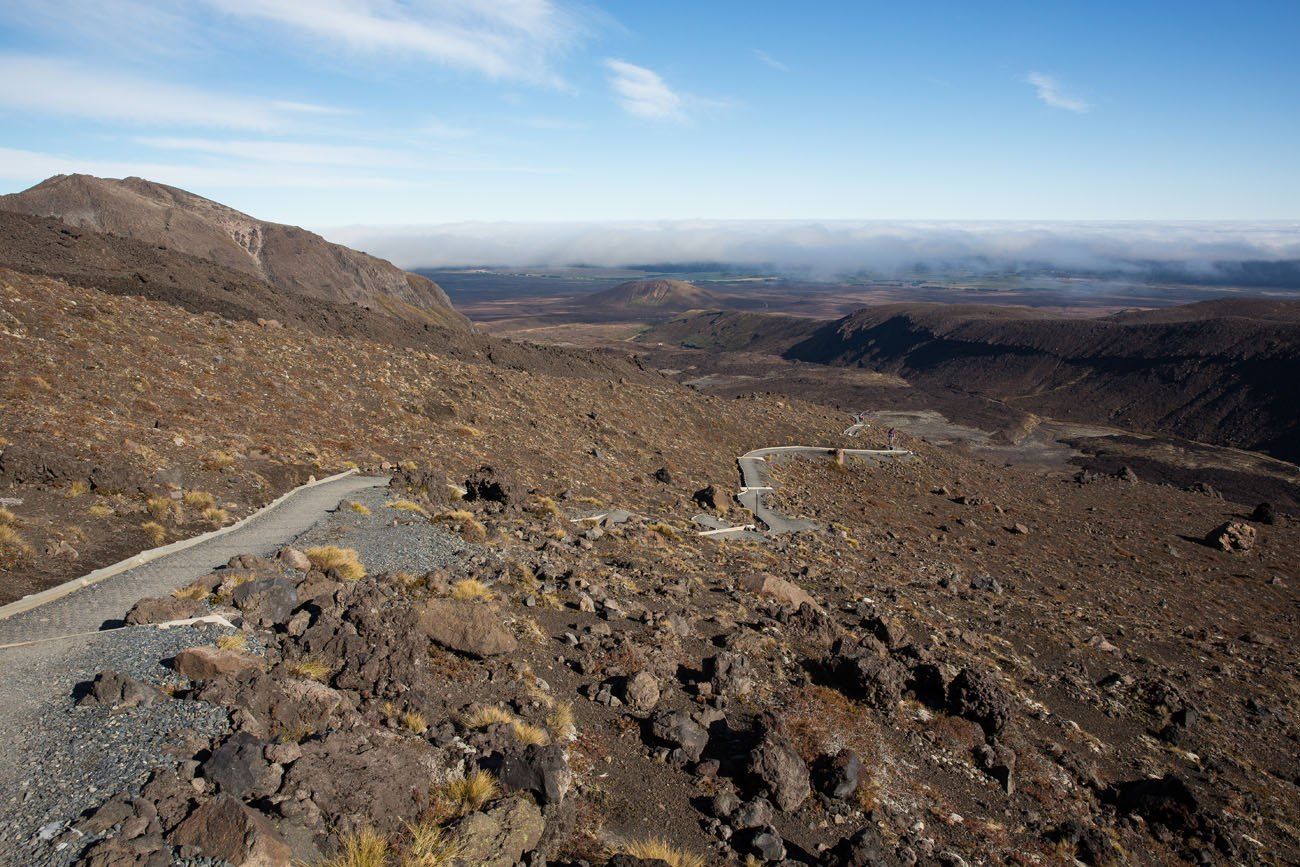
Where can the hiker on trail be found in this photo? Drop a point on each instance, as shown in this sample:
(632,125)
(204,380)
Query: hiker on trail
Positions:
(891,437)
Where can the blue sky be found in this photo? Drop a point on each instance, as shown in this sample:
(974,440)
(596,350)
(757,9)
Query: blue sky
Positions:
(328,113)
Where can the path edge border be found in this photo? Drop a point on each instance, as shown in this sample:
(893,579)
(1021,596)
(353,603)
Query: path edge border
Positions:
(35,600)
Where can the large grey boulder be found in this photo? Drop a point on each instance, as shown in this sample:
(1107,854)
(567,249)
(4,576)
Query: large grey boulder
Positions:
(472,628)
(501,835)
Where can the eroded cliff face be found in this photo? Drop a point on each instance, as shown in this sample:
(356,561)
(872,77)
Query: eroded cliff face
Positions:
(287,257)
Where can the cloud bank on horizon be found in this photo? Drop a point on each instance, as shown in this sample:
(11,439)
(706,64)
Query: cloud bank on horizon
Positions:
(831,249)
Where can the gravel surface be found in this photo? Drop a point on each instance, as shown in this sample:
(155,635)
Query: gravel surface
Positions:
(60,760)
(412,544)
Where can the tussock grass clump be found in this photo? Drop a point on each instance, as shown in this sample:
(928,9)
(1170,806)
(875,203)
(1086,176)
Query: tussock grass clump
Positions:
(528,734)
(468,793)
(342,560)
(159,507)
(547,507)
(219,461)
(365,848)
(156,532)
(408,506)
(485,716)
(359,508)
(470,589)
(216,517)
(310,668)
(78,488)
(429,846)
(560,722)
(236,641)
(99,510)
(665,530)
(195,591)
(198,500)
(415,721)
(12,544)
(657,849)
(469,527)
(7,517)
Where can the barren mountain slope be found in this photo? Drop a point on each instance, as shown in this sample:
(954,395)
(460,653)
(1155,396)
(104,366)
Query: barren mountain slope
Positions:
(120,396)
(966,663)
(46,246)
(1220,372)
(287,257)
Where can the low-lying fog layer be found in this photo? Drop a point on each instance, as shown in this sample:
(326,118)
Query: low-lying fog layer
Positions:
(1197,250)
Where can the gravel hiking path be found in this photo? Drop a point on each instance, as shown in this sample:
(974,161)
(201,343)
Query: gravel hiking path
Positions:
(92,607)
(59,759)
(755,482)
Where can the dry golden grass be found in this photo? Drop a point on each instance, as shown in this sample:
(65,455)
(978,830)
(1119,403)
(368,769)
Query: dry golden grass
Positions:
(194,591)
(359,508)
(78,488)
(236,641)
(101,511)
(528,734)
(414,721)
(7,517)
(12,544)
(664,530)
(469,527)
(366,848)
(408,506)
(467,431)
(342,560)
(216,517)
(159,507)
(311,668)
(429,846)
(198,500)
(560,722)
(486,715)
(657,849)
(156,532)
(219,461)
(468,793)
(470,589)
(547,507)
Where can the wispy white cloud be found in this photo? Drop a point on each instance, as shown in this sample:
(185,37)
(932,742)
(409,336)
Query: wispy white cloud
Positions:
(43,85)
(1049,91)
(771,61)
(505,39)
(441,129)
(27,167)
(643,93)
(285,152)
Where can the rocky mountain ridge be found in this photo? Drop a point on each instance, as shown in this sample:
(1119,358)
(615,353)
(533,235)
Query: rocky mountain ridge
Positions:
(286,257)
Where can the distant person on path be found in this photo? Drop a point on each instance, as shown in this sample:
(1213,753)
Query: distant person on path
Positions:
(892,434)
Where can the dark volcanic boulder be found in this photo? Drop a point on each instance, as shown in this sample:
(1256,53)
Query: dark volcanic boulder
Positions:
(541,770)
(976,695)
(775,766)
(120,691)
(676,729)
(267,602)
(162,609)
(239,768)
(490,485)
(226,830)
(865,672)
